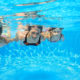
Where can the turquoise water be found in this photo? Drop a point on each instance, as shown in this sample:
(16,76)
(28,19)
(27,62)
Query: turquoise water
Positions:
(48,61)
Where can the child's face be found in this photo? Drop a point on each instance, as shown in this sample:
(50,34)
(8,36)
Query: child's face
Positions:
(34,33)
(56,31)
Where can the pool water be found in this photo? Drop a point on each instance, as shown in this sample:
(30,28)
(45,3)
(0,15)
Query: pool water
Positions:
(48,61)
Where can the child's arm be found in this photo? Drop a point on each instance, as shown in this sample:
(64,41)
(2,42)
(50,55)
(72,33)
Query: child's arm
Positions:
(20,26)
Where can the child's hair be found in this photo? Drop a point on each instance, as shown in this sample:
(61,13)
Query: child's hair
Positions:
(55,28)
(0,28)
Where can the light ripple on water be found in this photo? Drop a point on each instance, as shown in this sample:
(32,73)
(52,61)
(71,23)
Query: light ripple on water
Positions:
(50,57)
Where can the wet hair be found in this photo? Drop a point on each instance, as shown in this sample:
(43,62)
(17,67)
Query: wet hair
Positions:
(51,29)
(29,28)
(0,28)
(39,27)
